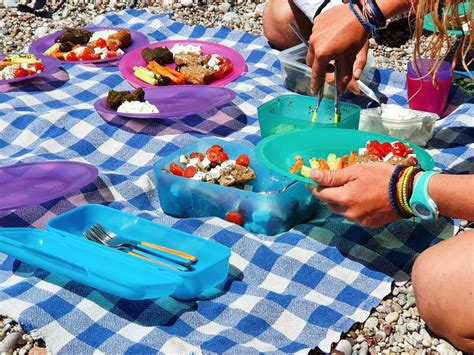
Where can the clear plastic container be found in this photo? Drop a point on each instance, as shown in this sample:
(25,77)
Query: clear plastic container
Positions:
(262,212)
(296,74)
(414,126)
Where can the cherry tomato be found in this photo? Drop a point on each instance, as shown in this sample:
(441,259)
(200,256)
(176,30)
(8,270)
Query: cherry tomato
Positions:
(86,54)
(243,160)
(213,156)
(176,169)
(71,56)
(216,148)
(234,217)
(374,151)
(222,157)
(111,54)
(197,155)
(113,45)
(399,149)
(189,172)
(20,72)
(101,43)
(39,66)
(385,148)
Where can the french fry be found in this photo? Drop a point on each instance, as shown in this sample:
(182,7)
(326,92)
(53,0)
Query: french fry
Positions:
(352,158)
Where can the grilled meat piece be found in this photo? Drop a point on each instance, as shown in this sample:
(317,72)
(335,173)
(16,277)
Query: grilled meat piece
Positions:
(123,36)
(75,36)
(237,174)
(197,74)
(189,59)
(161,55)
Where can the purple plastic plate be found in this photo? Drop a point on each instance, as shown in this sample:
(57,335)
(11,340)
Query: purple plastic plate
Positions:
(42,44)
(51,65)
(30,184)
(134,58)
(176,101)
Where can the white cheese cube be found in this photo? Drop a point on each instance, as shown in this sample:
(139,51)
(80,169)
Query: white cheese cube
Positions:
(193,162)
(183,159)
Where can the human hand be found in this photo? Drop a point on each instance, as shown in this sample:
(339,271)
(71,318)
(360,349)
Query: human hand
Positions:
(337,35)
(358,192)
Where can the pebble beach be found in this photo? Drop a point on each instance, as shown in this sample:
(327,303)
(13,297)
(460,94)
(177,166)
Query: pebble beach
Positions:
(393,327)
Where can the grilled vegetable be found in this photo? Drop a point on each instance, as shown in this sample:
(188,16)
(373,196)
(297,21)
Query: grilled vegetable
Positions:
(75,36)
(145,75)
(21,58)
(173,75)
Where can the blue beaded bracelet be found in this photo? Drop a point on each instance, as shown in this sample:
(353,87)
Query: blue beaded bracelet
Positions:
(379,17)
(366,24)
(392,189)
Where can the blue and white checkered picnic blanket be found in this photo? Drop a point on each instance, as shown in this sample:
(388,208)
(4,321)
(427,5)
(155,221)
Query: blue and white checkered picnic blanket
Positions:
(286,293)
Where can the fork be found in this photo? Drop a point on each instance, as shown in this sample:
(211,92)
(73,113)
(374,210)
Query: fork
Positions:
(112,239)
(95,238)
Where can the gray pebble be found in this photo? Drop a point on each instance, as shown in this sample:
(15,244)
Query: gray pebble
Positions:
(371,322)
(413,326)
(446,349)
(9,342)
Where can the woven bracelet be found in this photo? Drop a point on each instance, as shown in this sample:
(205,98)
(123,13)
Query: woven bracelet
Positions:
(365,24)
(379,19)
(392,188)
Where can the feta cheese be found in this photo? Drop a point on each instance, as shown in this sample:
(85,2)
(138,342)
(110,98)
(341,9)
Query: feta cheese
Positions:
(204,164)
(199,176)
(137,107)
(193,162)
(215,173)
(185,48)
(228,163)
(214,61)
(183,159)
(101,34)
(388,157)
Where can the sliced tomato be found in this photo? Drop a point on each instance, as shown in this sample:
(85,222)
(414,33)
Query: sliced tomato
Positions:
(385,148)
(234,217)
(113,45)
(38,66)
(101,43)
(176,169)
(243,160)
(222,157)
(71,56)
(399,149)
(20,72)
(189,172)
(86,54)
(374,151)
(194,155)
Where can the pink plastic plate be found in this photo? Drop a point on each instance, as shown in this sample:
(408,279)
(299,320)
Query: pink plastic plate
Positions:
(134,58)
(51,65)
(42,44)
(176,101)
(30,184)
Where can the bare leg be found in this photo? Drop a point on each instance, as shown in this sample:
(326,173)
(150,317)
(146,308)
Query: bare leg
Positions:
(443,280)
(276,17)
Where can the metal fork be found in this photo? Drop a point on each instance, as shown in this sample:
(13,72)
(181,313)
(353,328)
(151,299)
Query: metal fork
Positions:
(111,239)
(95,238)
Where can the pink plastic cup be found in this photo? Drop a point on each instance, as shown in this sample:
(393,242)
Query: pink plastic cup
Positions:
(422,94)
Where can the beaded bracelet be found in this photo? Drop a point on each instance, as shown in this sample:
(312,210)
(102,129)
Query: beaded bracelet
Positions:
(404,183)
(365,23)
(392,187)
(401,178)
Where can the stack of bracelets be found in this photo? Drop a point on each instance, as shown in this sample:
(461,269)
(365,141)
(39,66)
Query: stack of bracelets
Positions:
(370,16)
(402,177)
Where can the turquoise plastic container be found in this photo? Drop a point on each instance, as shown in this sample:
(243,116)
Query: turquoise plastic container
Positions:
(63,250)
(262,213)
(290,112)
(278,152)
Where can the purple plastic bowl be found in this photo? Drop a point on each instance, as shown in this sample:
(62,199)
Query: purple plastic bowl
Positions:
(444,71)
(51,65)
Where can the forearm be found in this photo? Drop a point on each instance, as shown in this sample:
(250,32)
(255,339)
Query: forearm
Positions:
(392,8)
(454,195)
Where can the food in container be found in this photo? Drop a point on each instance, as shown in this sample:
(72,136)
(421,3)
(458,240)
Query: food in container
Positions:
(14,66)
(265,204)
(414,126)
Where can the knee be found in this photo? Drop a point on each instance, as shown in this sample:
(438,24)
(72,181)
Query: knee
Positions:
(276,18)
(440,302)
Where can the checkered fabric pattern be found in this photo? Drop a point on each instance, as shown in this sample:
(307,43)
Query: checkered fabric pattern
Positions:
(286,293)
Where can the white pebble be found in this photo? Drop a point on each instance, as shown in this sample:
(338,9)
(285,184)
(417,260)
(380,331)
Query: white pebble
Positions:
(371,322)
(344,346)
(392,317)
(446,349)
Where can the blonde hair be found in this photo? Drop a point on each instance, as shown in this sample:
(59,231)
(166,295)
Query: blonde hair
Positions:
(446,15)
